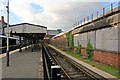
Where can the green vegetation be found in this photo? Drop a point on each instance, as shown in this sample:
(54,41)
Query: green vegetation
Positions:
(89,50)
(107,68)
(69,40)
(78,48)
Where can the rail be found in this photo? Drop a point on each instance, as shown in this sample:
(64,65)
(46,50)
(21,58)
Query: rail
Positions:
(61,59)
(51,71)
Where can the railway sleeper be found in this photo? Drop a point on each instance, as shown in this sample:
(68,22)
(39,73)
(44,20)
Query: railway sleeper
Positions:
(71,70)
(71,67)
(80,77)
(73,73)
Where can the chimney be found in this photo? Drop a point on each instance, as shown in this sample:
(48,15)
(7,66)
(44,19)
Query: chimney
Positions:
(2,19)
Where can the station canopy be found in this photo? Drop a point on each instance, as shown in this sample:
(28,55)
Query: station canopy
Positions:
(28,30)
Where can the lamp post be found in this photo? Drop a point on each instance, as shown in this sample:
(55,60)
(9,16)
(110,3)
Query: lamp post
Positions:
(7,51)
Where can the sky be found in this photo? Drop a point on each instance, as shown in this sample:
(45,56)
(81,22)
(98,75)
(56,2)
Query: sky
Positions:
(54,14)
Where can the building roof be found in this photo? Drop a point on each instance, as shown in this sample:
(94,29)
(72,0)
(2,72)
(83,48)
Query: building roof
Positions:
(28,24)
(26,28)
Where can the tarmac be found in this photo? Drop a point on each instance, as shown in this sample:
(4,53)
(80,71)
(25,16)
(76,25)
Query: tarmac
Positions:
(96,70)
(26,65)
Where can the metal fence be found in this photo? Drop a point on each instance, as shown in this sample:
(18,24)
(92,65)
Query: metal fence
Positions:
(111,8)
(11,48)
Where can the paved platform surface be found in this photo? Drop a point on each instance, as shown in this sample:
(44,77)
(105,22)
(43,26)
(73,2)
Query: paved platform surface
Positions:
(25,64)
(100,72)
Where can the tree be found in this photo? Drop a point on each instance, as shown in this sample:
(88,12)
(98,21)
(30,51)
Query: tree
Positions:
(69,40)
(89,50)
(78,51)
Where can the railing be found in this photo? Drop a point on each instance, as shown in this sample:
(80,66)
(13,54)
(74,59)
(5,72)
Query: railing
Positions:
(12,47)
(50,68)
(113,7)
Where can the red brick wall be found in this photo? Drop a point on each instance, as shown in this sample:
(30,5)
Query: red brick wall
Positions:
(59,42)
(83,52)
(110,58)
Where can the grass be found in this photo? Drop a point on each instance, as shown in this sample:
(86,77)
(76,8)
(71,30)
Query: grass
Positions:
(107,68)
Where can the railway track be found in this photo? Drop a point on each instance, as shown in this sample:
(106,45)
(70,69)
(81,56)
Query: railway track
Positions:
(71,70)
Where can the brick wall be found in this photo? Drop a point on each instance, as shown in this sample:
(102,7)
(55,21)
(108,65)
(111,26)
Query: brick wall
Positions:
(109,58)
(83,52)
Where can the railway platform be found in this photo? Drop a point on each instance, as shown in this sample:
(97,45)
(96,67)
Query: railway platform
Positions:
(91,68)
(23,65)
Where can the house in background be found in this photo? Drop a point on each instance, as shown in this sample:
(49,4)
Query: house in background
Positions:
(2,26)
(3,37)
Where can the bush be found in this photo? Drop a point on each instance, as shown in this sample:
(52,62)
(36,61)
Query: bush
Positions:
(89,50)
(69,40)
(78,50)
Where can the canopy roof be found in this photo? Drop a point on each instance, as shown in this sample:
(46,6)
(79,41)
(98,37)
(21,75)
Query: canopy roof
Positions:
(28,30)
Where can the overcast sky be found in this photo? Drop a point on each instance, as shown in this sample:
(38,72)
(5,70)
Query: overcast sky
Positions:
(53,14)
